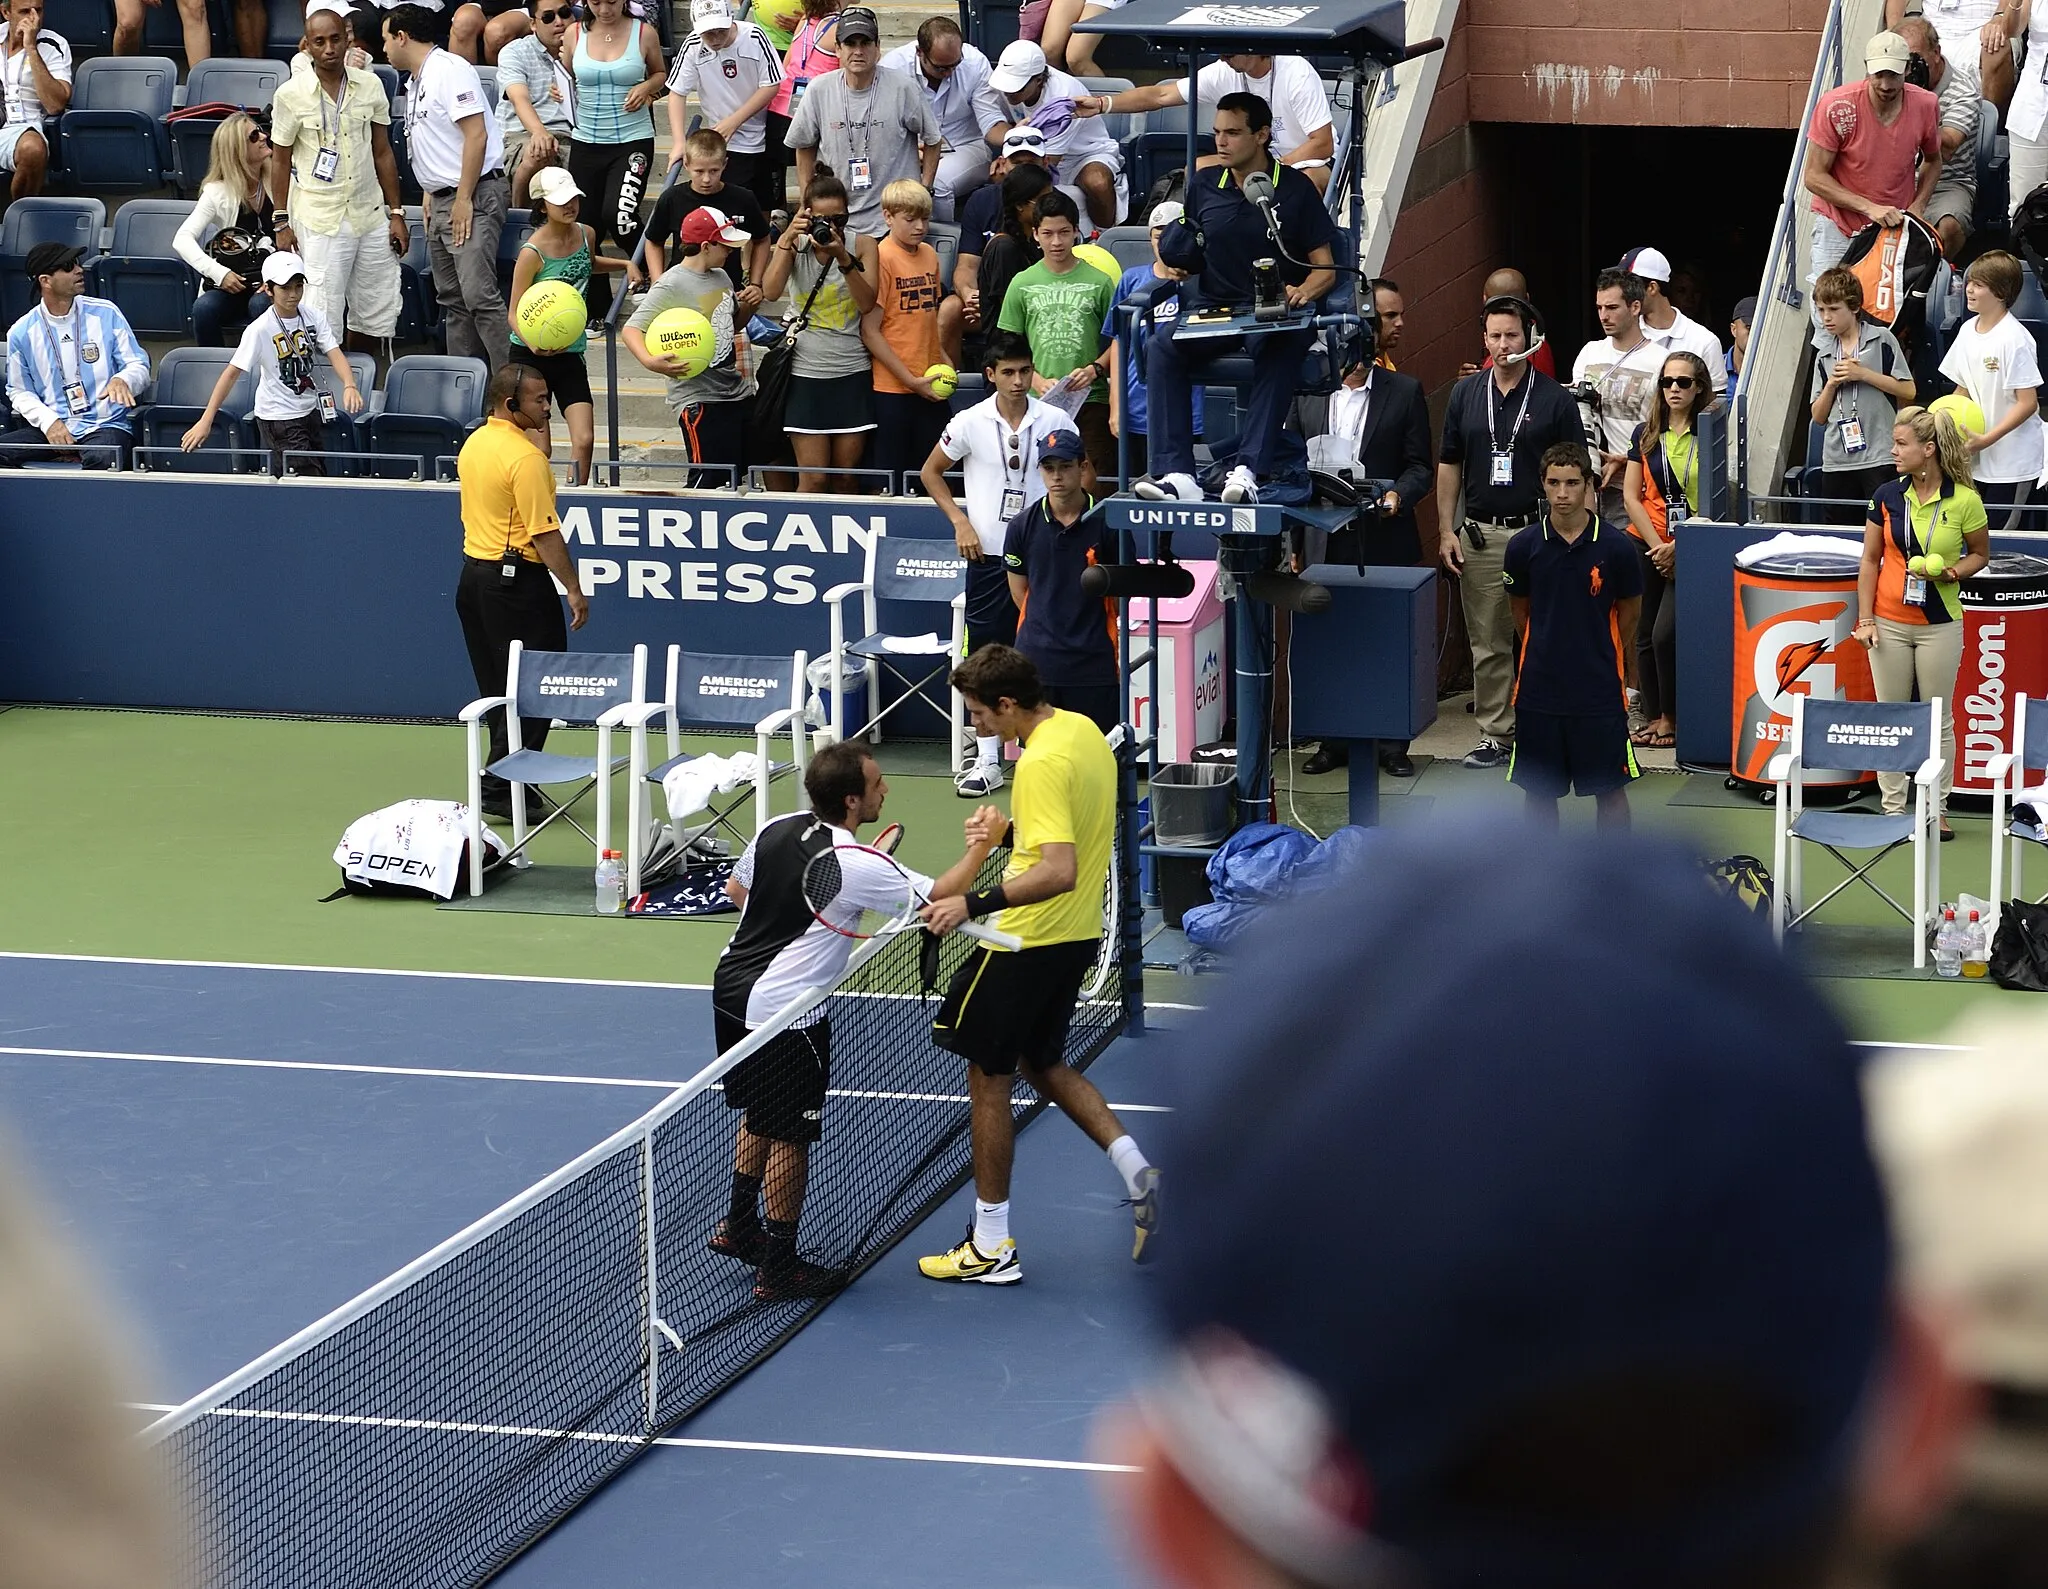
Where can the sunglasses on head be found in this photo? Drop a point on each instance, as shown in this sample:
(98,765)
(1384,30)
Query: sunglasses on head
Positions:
(1683,382)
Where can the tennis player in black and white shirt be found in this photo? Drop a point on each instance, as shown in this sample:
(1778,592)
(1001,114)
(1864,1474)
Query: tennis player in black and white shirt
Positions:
(780,952)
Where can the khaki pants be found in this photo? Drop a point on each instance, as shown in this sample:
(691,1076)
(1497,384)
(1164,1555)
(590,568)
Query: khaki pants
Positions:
(1490,626)
(1928,655)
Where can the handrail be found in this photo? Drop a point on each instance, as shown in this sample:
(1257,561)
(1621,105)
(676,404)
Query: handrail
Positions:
(611,318)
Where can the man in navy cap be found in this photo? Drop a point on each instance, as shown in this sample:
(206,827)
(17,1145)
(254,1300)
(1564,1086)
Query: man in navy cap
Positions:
(1070,636)
(1495,1292)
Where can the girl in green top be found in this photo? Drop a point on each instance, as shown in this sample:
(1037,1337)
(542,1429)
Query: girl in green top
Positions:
(1661,490)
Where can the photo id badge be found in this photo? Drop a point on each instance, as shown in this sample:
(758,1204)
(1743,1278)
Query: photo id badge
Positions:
(859,176)
(327,410)
(74,395)
(1013,502)
(1852,435)
(1503,473)
(1916,590)
(1676,512)
(326,165)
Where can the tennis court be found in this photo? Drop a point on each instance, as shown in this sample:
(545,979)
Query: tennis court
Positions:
(250,1106)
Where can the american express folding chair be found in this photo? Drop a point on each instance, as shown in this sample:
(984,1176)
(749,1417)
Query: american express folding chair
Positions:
(903,569)
(2009,787)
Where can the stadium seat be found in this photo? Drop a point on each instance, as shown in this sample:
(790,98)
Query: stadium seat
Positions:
(225,81)
(114,136)
(344,434)
(944,236)
(518,228)
(1158,147)
(1804,479)
(286,30)
(431,402)
(419,310)
(142,271)
(901,570)
(1994,174)
(164,34)
(488,76)
(184,382)
(76,222)
(1132,245)
(972,389)
(772,701)
(86,25)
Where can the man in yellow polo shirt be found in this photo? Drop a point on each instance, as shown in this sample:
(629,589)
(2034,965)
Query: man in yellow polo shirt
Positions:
(511,543)
(1008,1010)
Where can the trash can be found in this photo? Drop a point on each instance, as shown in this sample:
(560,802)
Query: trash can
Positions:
(1193,803)
(2005,656)
(1794,613)
(1188,705)
(853,693)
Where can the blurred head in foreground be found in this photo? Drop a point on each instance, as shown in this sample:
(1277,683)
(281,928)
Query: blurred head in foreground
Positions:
(1527,1237)
(80,1502)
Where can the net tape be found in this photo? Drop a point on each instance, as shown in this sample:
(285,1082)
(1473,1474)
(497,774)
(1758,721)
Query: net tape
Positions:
(430,1430)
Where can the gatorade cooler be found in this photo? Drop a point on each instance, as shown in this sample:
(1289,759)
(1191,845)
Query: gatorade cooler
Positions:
(2005,656)
(1793,617)
(1188,705)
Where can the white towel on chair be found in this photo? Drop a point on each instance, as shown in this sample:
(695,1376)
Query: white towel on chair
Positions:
(688,788)
(916,644)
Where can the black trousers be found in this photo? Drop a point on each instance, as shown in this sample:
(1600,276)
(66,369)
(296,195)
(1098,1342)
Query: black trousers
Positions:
(1657,643)
(495,611)
(106,448)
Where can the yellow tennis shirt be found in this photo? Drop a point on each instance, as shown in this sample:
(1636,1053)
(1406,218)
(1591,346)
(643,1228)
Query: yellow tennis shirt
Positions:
(508,492)
(1065,793)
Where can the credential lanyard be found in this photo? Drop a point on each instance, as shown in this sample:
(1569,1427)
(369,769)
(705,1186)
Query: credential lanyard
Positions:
(70,323)
(1492,395)
(340,107)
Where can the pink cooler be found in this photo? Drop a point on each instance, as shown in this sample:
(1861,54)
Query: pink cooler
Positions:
(1188,704)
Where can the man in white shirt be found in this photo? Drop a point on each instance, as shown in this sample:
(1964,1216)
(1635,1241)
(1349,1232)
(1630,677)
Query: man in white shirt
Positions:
(1303,133)
(955,78)
(458,155)
(1664,323)
(1079,149)
(35,69)
(1615,380)
(734,69)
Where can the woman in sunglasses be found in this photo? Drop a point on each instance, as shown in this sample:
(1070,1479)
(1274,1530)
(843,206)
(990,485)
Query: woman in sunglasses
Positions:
(1661,490)
(536,96)
(228,231)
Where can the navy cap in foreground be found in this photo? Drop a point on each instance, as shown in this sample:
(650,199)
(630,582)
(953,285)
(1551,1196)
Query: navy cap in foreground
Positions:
(1526,1230)
(1064,444)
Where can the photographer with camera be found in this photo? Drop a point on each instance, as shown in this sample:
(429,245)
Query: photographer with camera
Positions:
(1957,98)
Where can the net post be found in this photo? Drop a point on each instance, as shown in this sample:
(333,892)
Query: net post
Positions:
(653,1291)
(1129,925)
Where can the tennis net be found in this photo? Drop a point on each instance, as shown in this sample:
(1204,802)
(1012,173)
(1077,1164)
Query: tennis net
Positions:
(428,1431)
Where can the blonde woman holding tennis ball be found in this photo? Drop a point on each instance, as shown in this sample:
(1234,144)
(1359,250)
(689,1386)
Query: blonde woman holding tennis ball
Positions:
(1926,533)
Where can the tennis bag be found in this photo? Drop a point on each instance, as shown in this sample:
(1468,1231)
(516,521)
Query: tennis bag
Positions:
(2019,951)
(1896,266)
(417,849)
(1744,879)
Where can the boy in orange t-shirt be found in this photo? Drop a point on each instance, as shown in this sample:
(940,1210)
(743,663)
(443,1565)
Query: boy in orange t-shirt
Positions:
(911,328)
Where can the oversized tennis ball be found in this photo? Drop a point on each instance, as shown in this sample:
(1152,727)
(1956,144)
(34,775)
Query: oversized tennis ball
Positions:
(1935,564)
(683,334)
(1916,565)
(1968,416)
(1101,258)
(551,316)
(944,378)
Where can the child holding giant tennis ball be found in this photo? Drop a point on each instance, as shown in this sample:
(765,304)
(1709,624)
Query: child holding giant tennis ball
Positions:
(912,332)
(698,349)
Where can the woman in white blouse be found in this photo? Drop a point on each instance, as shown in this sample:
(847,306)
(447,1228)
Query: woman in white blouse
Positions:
(233,196)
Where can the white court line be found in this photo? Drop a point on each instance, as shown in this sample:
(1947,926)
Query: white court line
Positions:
(1935,1048)
(878,1453)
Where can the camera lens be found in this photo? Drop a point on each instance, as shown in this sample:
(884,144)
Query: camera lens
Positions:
(823,230)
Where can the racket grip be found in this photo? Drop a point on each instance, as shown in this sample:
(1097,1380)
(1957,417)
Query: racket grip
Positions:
(991,935)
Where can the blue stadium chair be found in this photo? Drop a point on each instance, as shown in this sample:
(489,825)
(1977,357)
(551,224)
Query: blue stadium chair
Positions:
(344,434)
(408,184)
(488,75)
(944,236)
(1804,479)
(518,228)
(76,222)
(431,402)
(419,310)
(1159,147)
(225,81)
(114,136)
(87,25)
(184,382)
(142,271)
(972,389)
(164,34)
(1132,245)
(1994,173)
(287,28)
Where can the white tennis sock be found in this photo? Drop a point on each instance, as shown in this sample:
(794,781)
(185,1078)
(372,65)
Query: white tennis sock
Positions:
(990,748)
(991,1226)
(1129,1160)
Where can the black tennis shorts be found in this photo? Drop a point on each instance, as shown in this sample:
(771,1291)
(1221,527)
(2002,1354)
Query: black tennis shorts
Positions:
(782,1086)
(1006,1006)
(1557,754)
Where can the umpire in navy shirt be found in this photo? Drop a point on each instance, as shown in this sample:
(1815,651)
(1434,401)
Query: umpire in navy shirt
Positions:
(1221,236)
(1069,636)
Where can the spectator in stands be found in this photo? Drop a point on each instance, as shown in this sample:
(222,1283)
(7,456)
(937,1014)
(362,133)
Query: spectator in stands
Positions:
(734,70)
(1221,235)
(2026,123)
(1740,320)
(1059,306)
(1661,491)
(35,84)
(1055,31)
(535,91)
(813,51)
(616,59)
(869,126)
(1511,283)
(1615,380)
(336,180)
(831,389)
(1390,314)
(1860,381)
(1953,204)
(1489,484)
(1129,419)
(281,346)
(1081,150)
(235,198)
(458,155)
(704,166)
(75,372)
(1993,360)
(1303,134)
(1667,325)
(1981,36)
(971,115)
(910,329)
(560,248)
(1003,209)
(251,23)
(1860,151)
(711,406)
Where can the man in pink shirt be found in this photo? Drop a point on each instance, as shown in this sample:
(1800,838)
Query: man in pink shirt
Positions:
(1860,152)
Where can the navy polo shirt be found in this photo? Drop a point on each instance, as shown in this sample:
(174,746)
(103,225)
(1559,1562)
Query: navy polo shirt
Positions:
(1572,664)
(1234,233)
(1468,442)
(1069,637)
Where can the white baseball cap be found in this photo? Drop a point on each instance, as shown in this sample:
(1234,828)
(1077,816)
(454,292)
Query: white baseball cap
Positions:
(1165,213)
(708,16)
(1647,263)
(280,266)
(1887,53)
(1020,61)
(1024,139)
(553,185)
(334,6)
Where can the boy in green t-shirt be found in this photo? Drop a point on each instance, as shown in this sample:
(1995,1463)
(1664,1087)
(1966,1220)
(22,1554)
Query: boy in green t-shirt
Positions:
(1059,305)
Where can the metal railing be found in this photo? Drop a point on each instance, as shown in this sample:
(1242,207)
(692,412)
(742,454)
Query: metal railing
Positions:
(611,319)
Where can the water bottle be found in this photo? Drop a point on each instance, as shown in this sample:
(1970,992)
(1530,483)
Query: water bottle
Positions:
(1948,946)
(611,886)
(1976,948)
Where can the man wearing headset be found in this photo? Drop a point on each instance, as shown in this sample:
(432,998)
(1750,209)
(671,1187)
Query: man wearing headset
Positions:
(1489,484)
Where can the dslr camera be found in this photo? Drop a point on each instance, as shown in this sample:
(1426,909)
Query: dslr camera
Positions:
(824,230)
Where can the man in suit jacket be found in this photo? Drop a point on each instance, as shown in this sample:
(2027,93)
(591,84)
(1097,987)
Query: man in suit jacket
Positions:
(1373,427)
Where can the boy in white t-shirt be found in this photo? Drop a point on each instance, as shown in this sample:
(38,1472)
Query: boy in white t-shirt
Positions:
(996,444)
(280,346)
(1992,360)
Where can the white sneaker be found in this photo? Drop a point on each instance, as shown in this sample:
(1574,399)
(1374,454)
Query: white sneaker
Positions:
(1168,488)
(1241,485)
(983,778)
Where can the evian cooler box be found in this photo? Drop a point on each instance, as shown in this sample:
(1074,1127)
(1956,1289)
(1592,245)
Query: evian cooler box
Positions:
(2005,656)
(1794,613)
(1188,703)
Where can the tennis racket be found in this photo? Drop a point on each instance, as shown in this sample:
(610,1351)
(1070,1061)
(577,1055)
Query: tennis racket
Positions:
(861,892)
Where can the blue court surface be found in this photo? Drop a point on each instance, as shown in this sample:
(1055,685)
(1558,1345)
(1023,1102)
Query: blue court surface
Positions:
(242,1149)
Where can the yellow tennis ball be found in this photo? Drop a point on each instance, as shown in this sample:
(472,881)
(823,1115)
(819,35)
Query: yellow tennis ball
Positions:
(1959,407)
(1916,565)
(1936,563)
(683,334)
(1101,258)
(944,378)
(551,316)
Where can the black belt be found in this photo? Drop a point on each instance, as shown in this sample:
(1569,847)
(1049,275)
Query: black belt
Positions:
(1506,521)
(489,176)
(495,562)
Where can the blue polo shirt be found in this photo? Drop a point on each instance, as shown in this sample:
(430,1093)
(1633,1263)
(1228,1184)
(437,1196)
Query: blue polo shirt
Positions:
(1069,637)
(1234,233)
(1572,663)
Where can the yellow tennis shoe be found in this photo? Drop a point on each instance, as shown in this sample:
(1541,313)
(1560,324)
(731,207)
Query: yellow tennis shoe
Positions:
(968,1262)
